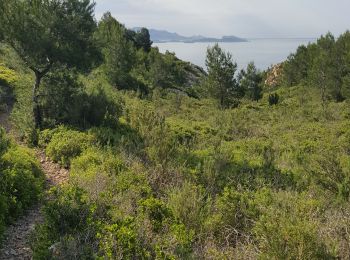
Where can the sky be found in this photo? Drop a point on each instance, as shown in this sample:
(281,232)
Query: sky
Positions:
(244,18)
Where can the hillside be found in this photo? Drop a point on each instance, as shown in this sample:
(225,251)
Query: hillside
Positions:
(159,159)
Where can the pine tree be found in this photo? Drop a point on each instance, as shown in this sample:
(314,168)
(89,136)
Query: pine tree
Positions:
(49,34)
(250,82)
(221,76)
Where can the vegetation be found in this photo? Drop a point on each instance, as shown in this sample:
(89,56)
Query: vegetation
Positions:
(7,78)
(221,76)
(21,180)
(49,34)
(324,65)
(250,81)
(169,162)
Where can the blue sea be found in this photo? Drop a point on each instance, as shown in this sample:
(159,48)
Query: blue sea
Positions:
(264,52)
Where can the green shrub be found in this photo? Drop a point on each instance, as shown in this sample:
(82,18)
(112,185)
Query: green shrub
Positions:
(69,229)
(288,229)
(23,179)
(157,212)
(105,178)
(67,144)
(8,78)
(251,167)
(7,75)
(160,143)
(21,182)
(188,205)
(99,160)
(184,239)
(46,135)
(123,136)
(176,243)
(150,233)
(120,241)
(233,216)
(95,172)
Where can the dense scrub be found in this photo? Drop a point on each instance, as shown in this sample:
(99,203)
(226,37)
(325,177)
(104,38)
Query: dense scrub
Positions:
(205,183)
(21,180)
(171,176)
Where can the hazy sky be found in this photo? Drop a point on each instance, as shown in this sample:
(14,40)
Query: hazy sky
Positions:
(246,18)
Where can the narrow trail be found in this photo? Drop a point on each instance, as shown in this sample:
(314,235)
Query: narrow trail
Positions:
(17,236)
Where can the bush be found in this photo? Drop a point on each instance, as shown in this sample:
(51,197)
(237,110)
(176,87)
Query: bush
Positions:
(233,217)
(120,241)
(245,165)
(69,228)
(46,135)
(288,229)
(95,171)
(123,136)
(157,212)
(67,144)
(274,99)
(21,181)
(105,178)
(188,205)
(151,126)
(7,78)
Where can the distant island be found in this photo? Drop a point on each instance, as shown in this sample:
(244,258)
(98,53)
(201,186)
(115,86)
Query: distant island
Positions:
(162,36)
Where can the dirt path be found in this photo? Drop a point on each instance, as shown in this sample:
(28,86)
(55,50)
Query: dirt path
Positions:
(17,236)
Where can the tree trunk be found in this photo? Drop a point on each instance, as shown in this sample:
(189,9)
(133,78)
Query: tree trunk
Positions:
(36,106)
(222,96)
(323,88)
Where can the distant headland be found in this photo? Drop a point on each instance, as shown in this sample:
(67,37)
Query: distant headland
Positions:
(162,36)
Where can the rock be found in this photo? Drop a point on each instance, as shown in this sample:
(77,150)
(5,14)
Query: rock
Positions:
(13,252)
(54,249)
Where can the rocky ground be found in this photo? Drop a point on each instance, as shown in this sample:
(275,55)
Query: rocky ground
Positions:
(16,243)
(17,236)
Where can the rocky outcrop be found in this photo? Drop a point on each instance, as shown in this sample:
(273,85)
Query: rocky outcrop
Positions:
(274,75)
(194,74)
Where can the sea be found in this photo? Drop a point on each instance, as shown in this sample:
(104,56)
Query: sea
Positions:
(263,52)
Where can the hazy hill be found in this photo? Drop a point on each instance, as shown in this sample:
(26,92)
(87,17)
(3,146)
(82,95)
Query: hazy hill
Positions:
(159,36)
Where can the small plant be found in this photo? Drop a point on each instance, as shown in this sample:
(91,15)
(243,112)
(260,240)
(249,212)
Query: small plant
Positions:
(274,99)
